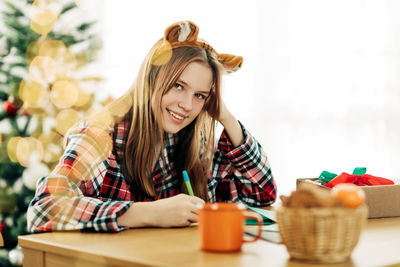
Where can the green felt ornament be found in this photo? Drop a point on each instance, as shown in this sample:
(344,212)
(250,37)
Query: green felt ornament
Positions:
(326,176)
(359,170)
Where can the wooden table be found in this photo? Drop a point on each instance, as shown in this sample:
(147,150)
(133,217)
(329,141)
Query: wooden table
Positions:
(379,246)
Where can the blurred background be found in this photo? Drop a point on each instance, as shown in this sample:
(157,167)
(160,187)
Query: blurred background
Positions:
(319,87)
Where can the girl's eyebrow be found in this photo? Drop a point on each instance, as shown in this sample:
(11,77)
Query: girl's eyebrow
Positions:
(186,84)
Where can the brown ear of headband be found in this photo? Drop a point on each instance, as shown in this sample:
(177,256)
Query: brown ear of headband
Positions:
(185,33)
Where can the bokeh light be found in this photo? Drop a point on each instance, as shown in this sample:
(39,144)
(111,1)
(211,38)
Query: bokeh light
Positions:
(32,50)
(57,186)
(64,94)
(42,70)
(29,151)
(102,117)
(64,59)
(33,94)
(52,48)
(51,137)
(52,153)
(12,148)
(65,119)
(162,55)
(120,106)
(43,15)
(81,169)
(43,22)
(56,50)
(73,172)
(52,146)
(83,99)
(97,148)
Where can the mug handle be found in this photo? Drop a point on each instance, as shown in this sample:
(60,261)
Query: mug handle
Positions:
(259,219)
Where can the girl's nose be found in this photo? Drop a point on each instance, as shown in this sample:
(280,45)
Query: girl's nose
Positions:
(185,102)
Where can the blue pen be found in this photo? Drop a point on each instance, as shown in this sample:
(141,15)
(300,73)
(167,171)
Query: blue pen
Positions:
(187,182)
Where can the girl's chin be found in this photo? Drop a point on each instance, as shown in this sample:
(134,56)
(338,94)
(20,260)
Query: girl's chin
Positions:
(173,125)
(172,130)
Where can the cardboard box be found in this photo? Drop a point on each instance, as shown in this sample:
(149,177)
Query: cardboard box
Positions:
(382,200)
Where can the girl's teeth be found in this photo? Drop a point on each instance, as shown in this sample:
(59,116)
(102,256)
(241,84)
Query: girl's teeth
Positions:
(176,116)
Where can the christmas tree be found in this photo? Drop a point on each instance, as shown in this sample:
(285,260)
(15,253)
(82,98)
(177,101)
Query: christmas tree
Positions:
(45,51)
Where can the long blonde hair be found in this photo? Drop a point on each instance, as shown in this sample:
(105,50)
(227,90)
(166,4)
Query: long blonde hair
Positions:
(194,150)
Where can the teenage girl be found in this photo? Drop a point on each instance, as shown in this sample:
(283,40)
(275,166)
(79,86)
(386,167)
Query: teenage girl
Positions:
(122,167)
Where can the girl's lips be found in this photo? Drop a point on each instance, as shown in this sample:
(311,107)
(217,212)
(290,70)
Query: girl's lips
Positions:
(176,113)
(177,117)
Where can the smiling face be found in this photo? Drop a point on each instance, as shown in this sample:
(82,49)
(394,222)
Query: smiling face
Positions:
(181,104)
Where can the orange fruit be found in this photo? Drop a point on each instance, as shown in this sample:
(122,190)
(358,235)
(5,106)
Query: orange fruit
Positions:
(349,195)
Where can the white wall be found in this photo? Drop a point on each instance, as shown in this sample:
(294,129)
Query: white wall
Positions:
(320,84)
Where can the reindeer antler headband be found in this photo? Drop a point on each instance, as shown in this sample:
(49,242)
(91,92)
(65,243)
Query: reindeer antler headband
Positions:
(185,33)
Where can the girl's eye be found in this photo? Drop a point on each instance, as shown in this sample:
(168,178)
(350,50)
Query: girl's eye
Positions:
(178,86)
(199,96)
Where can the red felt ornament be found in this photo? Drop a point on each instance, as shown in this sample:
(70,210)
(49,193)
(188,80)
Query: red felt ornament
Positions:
(361,180)
(10,108)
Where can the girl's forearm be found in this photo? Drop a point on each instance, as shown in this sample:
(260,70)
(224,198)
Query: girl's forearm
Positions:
(139,214)
(233,129)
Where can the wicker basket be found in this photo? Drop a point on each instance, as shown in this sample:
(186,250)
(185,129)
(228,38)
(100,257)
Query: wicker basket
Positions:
(326,235)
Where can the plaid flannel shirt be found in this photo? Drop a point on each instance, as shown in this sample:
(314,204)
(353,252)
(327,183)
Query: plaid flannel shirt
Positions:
(88,191)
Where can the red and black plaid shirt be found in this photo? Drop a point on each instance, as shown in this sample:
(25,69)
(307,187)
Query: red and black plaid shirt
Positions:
(87,188)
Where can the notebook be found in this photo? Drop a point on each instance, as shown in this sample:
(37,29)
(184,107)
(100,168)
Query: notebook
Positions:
(267,215)
(270,229)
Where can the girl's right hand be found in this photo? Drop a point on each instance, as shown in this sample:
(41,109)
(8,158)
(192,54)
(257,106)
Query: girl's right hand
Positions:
(176,211)
(179,210)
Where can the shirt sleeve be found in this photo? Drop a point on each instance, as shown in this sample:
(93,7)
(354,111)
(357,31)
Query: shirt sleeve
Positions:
(65,199)
(242,173)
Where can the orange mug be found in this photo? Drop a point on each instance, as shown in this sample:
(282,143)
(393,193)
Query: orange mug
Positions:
(221,226)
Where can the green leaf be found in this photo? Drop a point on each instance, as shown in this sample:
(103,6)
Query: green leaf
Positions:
(15,26)
(3,96)
(19,64)
(11,7)
(67,39)
(85,26)
(11,170)
(68,7)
